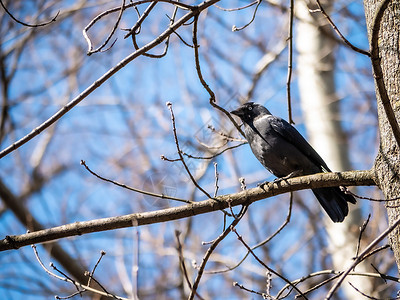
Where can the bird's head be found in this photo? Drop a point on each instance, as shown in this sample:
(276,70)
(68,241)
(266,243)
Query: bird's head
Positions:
(250,111)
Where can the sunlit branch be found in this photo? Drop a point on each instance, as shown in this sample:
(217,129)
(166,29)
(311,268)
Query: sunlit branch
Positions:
(346,41)
(212,99)
(290,62)
(162,196)
(362,229)
(238,8)
(196,208)
(262,243)
(100,48)
(213,246)
(242,287)
(182,263)
(234,28)
(158,40)
(26,24)
(361,257)
(181,158)
(240,238)
(70,280)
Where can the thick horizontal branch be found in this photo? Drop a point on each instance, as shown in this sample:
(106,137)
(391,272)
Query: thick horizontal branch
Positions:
(138,219)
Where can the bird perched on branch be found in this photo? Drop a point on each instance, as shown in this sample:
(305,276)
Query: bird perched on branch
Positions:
(284,152)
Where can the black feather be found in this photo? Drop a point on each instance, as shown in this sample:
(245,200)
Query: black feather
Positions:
(283,151)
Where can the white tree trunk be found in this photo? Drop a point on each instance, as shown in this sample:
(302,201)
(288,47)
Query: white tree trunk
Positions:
(319,102)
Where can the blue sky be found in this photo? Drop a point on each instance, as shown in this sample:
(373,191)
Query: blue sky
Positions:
(123,128)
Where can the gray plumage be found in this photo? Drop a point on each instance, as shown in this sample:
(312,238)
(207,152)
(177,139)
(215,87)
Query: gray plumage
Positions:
(283,151)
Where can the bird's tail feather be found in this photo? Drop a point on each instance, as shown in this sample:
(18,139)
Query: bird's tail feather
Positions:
(334,201)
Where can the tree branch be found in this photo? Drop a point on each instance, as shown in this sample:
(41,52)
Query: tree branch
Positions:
(365,177)
(158,40)
(361,257)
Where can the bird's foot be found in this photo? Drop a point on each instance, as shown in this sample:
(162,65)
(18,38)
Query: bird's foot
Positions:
(262,184)
(291,175)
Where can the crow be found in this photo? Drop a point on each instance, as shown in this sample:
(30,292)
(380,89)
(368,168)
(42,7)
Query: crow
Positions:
(284,152)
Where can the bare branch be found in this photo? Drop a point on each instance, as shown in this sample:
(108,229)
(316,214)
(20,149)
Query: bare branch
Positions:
(174,213)
(262,243)
(234,28)
(162,196)
(203,82)
(290,62)
(169,104)
(158,40)
(238,8)
(26,24)
(362,229)
(212,248)
(70,280)
(242,287)
(361,257)
(346,41)
(265,266)
(100,48)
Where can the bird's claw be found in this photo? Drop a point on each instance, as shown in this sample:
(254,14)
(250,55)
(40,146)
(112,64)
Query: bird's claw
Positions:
(262,184)
(291,175)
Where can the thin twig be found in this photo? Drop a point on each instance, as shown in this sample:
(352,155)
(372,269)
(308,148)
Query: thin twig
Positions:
(212,248)
(67,279)
(280,294)
(381,274)
(347,191)
(290,62)
(158,40)
(237,8)
(100,48)
(194,181)
(182,262)
(322,283)
(26,24)
(203,82)
(212,156)
(346,41)
(242,287)
(373,252)
(240,238)
(216,174)
(371,297)
(90,275)
(361,257)
(138,24)
(225,135)
(162,196)
(234,28)
(262,243)
(43,266)
(362,229)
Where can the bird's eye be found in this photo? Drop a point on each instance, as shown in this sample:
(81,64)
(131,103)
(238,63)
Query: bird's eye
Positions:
(250,108)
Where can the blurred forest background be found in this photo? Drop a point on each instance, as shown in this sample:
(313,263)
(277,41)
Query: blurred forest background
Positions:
(123,127)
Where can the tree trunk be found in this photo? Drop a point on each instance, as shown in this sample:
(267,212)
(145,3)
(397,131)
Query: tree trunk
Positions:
(387,163)
(320,105)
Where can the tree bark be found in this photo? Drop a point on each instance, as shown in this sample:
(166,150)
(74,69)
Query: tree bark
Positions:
(387,58)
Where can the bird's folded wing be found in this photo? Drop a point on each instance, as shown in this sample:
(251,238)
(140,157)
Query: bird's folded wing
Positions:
(290,134)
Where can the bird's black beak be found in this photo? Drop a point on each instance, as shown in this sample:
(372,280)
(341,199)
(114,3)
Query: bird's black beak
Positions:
(237,112)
